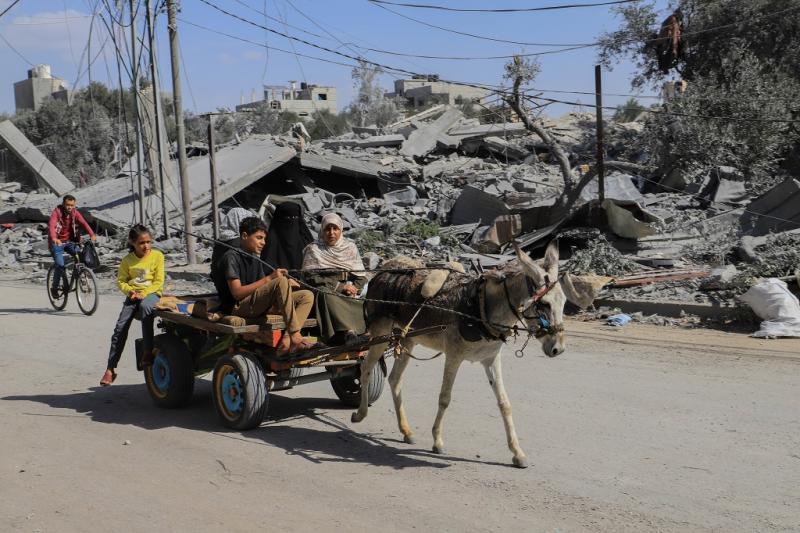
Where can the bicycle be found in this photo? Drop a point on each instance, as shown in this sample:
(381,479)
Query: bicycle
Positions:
(81,280)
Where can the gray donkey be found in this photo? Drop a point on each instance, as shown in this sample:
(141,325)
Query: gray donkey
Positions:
(488,307)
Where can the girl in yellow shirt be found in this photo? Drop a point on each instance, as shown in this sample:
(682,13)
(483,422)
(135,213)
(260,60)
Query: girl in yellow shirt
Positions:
(141,280)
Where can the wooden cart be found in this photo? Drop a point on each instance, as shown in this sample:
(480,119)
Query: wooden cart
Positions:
(246,367)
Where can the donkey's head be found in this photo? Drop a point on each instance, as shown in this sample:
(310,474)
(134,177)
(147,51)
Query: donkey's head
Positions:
(548,300)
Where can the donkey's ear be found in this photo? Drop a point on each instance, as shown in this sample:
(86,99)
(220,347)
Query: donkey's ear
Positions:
(551,258)
(532,270)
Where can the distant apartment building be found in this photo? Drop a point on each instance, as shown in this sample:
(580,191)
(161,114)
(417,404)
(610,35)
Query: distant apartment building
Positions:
(30,93)
(303,101)
(424,91)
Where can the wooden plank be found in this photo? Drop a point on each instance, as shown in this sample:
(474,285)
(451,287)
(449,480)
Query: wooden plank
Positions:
(273,322)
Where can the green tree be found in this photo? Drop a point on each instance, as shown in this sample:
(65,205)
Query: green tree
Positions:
(628,111)
(742,61)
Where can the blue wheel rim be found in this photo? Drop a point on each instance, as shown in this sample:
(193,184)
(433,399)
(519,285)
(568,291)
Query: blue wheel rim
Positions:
(232,392)
(161,373)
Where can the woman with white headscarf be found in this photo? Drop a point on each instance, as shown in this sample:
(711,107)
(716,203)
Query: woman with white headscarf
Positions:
(332,263)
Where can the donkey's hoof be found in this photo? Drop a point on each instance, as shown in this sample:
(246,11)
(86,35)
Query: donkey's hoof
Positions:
(409,439)
(438,449)
(355,418)
(521,462)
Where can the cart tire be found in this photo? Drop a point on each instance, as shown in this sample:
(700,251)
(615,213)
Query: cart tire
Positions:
(61,302)
(240,391)
(170,379)
(348,389)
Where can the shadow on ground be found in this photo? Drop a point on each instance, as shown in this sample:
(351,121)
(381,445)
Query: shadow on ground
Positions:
(37,311)
(329,441)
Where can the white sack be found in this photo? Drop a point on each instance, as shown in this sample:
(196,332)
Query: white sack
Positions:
(772,301)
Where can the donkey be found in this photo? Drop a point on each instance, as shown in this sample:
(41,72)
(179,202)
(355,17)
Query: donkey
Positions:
(487,308)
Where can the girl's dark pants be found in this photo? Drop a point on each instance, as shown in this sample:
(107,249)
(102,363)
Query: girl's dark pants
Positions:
(140,309)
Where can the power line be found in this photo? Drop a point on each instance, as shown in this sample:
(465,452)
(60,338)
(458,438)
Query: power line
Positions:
(475,35)
(677,113)
(6,10)
(572,47)
(25,59)
(502,10)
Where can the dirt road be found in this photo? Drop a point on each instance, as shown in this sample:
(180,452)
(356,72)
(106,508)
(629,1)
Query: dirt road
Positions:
(635,429)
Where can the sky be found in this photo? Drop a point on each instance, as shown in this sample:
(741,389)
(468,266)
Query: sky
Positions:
(220,71)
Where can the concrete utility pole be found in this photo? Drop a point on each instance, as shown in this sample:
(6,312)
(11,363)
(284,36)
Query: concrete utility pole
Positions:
(158,114)
(136,118)
(601,170)
(177,101)
(212,164)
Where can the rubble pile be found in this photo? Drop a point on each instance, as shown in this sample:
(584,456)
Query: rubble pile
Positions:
(442,187)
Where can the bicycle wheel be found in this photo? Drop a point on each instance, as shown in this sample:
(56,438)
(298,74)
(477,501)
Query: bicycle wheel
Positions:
(58,298)
(86,290)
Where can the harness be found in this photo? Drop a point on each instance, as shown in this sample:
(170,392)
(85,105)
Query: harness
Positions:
(543,326)
(490,331)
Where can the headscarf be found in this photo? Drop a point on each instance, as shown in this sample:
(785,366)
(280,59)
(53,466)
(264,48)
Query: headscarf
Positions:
(342,255)
(229,228)
(288,235)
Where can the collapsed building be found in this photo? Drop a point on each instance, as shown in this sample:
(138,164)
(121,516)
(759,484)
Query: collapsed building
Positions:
(441,186)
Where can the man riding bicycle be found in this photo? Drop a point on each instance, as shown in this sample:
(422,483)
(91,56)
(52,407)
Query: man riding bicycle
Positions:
(63,235)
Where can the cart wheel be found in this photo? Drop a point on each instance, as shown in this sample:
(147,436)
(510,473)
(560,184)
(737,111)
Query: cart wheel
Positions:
(240,391)
(170,379)
(62,293)
(348,388)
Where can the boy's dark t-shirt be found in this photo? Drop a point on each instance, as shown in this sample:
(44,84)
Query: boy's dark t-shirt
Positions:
(235,264)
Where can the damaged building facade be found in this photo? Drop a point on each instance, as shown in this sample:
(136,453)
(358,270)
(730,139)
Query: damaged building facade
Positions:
(424,91)
(303,100)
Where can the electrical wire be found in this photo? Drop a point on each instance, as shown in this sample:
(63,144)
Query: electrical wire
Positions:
(677,113)
(6,10)
(501,9)
(25,59)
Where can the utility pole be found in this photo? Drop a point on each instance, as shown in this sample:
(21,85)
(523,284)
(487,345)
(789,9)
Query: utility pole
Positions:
(157,110)
(212,164)
(137,123)
(601,170)
(177,101)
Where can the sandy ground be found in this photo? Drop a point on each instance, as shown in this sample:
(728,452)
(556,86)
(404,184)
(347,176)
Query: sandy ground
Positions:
(634,429)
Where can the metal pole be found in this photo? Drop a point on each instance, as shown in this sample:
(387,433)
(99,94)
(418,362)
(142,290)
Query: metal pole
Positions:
(158,115)
(212,166)
(137,123)
(601,170)
(177,101)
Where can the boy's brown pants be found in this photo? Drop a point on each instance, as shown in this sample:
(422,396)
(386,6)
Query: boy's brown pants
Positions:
(278,297)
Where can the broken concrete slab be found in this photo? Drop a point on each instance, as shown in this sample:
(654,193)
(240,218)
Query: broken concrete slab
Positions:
(487,130)
(406,197)
(618,186)
(34,159)
(423,141)
(474,205)
(370,142)
(624,224)
(340,164)
(775,211)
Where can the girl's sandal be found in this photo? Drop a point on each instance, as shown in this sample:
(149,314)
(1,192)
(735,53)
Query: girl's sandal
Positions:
(108,378)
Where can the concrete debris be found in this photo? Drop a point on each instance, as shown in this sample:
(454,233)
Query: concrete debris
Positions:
(441,187)
(624,224)
(35,160)
(775,211)
(423,141)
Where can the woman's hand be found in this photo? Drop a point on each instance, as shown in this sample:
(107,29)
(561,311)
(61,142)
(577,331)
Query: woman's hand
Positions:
(350,290)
